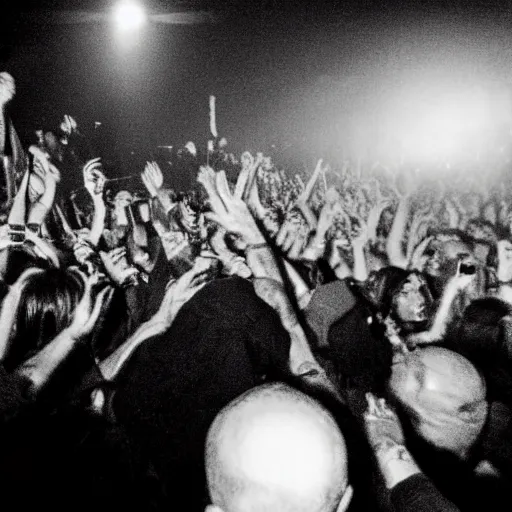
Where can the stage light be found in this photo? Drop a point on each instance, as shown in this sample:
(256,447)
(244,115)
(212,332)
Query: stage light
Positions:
(129,16)
(433,120)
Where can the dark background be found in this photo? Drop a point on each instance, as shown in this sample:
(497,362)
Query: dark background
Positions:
(303,80)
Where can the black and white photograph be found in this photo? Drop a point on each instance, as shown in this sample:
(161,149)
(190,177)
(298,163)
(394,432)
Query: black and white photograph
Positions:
(256,255)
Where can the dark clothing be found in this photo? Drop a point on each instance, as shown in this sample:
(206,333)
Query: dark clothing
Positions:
(13,396)
(455,479)
(362,357)
(69,460)
(418,494)
(495,443)
(223,342)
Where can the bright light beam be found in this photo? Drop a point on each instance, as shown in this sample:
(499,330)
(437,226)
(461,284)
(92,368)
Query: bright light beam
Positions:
(129,16)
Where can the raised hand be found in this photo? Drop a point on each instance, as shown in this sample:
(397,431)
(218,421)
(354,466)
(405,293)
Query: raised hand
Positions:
(152,178)
(69,125)
(117,266)
(382,425)
(246,176)
(45,177)
(418,258)
(94,179)
(88,311)
(229,211)
(181,290)
(308,190)
(462,279)
(7,88)
(329,211)
(293,234)
(360,240)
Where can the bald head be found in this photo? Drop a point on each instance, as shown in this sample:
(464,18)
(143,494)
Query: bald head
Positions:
(274,448)
(444,395)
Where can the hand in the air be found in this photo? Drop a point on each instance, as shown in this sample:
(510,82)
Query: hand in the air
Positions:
(152,178)
(88,310)
(94,179)
(181,290)
(229,211)
(382,426)
(7,88)
(117,266)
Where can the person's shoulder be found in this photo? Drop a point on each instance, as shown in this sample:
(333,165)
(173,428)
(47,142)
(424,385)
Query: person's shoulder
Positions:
(234,290)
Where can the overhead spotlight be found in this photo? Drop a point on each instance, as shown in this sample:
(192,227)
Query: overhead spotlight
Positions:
(129,15)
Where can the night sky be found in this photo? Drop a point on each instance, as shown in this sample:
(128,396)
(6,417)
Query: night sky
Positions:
(310,80)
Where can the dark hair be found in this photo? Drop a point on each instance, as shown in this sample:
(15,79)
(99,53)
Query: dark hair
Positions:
(20,259)
(46,307)
(479,327)
(384,284)
(482,223)
(456,235)
(480,336)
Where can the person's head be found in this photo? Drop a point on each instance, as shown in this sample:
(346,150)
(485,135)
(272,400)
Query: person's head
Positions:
(46,307)
(275,448)
(485,237)
(443,396)
(402,294)
(53,144)
(122,199)
(481,329)
(480,229)
(444,253)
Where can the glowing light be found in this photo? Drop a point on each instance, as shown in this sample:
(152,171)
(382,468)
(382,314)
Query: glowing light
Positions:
(129,16)
(428,121)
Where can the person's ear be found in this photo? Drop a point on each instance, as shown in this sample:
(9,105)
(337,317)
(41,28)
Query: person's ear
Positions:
(213,508)
(346,499)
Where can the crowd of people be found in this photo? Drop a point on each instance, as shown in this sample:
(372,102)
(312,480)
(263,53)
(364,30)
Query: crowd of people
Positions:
(266,341)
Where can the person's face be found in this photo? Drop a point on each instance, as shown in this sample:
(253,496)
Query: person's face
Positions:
(53,145)
(442,257)
(410,303)
(122,200)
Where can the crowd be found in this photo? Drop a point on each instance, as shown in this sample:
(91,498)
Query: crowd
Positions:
(267,341)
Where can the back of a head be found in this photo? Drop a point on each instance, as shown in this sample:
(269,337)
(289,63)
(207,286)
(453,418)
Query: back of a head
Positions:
(480,330)
(46,308)
(275,448)
(443,395)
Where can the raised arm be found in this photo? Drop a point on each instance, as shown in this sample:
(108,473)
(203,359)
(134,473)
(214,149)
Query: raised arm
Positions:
(177,293)
(233,214)
(410,490)
(153,180)
(40,368)
(94,182)
(360,271)
(396,236)
(7,92)
(443,314)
